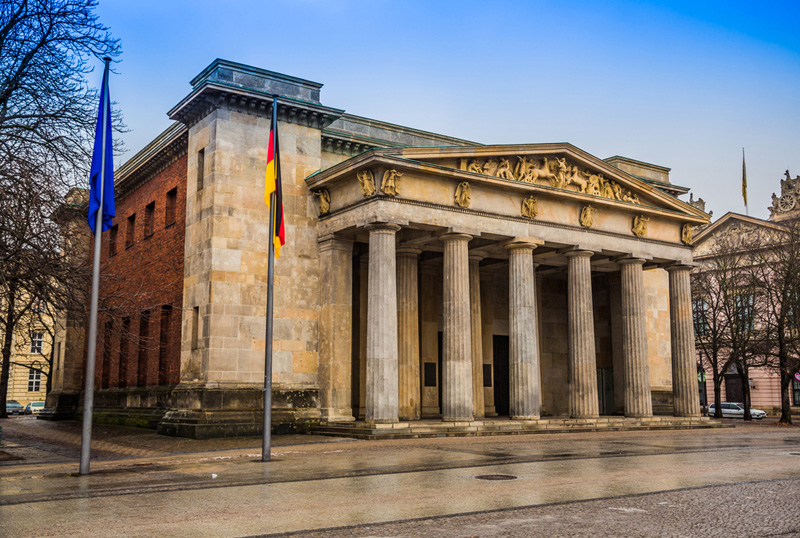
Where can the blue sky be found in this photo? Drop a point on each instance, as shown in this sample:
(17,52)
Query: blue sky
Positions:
(685,85)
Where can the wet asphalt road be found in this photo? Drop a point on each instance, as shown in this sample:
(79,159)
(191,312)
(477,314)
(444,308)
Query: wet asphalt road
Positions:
(740,481)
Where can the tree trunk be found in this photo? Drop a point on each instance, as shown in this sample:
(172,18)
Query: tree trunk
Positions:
(7,337)
(743,375)
(786,384)
(717,395)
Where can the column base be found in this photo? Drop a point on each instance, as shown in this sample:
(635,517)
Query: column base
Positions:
(337,415)
(381,421)
(526,417)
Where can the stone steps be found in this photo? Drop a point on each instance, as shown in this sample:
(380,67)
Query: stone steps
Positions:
(436,428)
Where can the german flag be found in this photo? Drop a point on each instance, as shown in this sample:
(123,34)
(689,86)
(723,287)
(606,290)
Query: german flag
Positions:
(273,183)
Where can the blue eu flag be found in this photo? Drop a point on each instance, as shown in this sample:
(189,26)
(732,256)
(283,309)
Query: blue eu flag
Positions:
(102,168)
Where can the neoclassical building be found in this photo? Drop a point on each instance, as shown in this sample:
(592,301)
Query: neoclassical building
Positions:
(424,276)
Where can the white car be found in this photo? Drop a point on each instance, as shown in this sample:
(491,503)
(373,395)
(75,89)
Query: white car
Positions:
(34,408)
(735,410)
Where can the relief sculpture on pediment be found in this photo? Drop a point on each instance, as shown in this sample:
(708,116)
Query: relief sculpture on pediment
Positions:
(367,182)
(462,195)
(529,209)
(391,183)
(553,172)
(324,198)
(639,228)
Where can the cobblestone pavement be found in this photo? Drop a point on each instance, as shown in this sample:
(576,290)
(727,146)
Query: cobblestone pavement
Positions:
(760,509)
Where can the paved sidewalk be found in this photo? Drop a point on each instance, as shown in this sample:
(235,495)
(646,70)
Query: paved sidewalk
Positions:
(142,484)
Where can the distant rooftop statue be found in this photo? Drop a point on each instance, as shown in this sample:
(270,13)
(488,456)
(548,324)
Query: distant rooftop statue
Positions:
(786,205)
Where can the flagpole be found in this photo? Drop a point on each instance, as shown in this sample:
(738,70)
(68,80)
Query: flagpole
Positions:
(266,442)
(88,396)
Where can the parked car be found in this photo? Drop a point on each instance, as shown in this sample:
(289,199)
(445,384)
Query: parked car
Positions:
(34,408)
(735,410)
(14,408)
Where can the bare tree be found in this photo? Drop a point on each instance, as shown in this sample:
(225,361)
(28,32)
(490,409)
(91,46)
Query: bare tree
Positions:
(776,277)
(724,302)
(47,120)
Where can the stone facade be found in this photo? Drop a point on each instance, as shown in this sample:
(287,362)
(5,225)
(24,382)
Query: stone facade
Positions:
(440,279)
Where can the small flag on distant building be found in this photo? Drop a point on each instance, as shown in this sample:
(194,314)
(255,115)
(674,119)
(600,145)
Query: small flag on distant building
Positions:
(102,165)
(273,183)
(744,181)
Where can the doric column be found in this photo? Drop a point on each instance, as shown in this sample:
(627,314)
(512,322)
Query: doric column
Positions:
(477,335)
(684,361)
(382,325)
(335,328)
(457,338)
(363,300)
(638,402)
(524,376)
(408,333)
(582,362)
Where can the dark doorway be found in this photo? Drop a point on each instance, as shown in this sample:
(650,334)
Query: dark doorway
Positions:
(733,388)
(605,390)
(501,392)
(440,377)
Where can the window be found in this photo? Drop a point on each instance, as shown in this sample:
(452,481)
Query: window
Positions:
(112,241)
(163,345)
(700,315)
(144,333)
(37,341)
(129,231)
(201,168)
(169,213)
(149,219)
(34,380)
(744,311)
(105,377)
(196,327)
(124,337)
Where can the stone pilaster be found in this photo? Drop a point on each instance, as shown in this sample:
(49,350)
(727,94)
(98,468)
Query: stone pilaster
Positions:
(638,402)
(477,335)
(408,333)
(582,364)
(525,379)
(335,328)
(382,326)
(684,360)
(457,339)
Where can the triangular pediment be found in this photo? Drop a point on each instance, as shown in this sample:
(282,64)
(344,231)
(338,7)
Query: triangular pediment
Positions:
(560,167)
(732,225)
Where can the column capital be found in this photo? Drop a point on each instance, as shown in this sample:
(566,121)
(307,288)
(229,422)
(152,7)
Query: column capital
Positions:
(334,242)
(677,267)
(475,258)
(521,245)
(407,251)
(631,261)
(382,227)
(455,237)
(578,253)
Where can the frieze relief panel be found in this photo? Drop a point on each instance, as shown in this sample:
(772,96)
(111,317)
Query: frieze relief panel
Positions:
(553,172)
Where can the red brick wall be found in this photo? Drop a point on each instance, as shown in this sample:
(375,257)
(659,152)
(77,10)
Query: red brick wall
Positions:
(142,279)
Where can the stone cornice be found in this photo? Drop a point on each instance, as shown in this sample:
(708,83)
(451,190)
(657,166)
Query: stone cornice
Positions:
(345,144)
(210,96)
(152,159)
